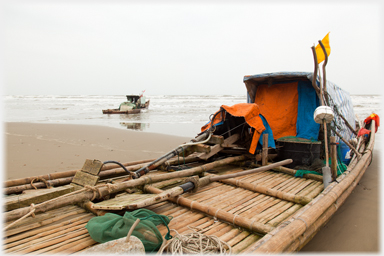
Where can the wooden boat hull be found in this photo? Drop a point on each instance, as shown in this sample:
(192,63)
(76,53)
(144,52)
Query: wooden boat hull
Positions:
(126,112)
(118,111)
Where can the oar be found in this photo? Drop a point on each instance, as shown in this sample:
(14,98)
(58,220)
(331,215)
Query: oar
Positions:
(194,184)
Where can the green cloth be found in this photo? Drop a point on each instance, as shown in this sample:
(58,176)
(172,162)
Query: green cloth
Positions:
(113,226)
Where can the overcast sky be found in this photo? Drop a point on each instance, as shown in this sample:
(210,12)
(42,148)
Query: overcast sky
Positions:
(183,47)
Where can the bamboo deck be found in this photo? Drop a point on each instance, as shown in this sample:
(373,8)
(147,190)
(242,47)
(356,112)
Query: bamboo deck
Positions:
(259,213)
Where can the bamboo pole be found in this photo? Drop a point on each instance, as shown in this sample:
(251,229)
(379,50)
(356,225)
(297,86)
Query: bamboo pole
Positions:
(283,236)
(31,223)
(347,143)
(56,231)
(268,191)
(43,229)
(348,125)
(241,203)
(212,230)
(63,245)
(232,201)
(277,208)
(216,212)
(264,157)
(316,65)
(293,172)
(238,238)
(53,176)
(68,180)
(21,188)
(333,157)
(86,242)
(282,217)
(44,237)
(324,88)
(230,235)
(53,241)
(227,228)
(103,190)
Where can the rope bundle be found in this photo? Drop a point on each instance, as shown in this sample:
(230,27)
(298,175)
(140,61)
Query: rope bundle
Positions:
(196,243)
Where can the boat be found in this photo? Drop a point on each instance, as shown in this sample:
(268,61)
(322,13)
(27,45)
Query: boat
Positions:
(260,177)
(133,105)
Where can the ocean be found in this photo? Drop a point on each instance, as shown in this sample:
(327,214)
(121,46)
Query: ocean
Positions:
(179,115)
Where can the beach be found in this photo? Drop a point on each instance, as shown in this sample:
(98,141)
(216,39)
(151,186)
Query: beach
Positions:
(33,149)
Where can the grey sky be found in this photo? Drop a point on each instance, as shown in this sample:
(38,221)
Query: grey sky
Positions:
(192,47)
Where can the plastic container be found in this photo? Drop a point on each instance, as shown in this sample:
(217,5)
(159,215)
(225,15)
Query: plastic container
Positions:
(301,151)
(323,113)
(344,149)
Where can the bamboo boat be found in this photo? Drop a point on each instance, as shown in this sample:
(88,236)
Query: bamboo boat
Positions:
(250,201)
(133,105)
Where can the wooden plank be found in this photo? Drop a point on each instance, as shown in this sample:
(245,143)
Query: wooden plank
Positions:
(218,147)
(35,197)
(83,178)
(216,139)
(121,202)
(201,148)
(92,166)
(76,187)
(230,140)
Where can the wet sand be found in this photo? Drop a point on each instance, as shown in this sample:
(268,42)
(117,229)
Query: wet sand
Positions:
(36,149)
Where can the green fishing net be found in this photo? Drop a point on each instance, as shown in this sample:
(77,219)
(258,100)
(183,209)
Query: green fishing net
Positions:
(113,226)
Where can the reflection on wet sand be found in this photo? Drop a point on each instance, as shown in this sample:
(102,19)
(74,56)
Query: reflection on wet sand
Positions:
(135,126)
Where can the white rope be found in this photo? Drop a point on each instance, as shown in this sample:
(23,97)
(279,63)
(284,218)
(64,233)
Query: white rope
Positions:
(31,212)
(196,243)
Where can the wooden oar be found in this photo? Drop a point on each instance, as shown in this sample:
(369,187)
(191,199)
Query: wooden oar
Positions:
(193,185)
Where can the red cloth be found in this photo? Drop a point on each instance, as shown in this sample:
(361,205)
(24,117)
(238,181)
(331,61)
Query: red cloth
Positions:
(373,117)
(362,132)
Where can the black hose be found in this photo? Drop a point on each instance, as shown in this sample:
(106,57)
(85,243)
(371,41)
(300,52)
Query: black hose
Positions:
(122,166)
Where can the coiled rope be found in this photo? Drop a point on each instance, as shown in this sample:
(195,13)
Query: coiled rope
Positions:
(196,243)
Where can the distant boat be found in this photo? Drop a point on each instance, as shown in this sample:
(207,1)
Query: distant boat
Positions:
(133,105)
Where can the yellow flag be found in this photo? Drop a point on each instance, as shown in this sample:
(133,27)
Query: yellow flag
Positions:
(319,51)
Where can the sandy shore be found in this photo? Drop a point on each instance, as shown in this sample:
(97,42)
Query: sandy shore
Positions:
(35,149)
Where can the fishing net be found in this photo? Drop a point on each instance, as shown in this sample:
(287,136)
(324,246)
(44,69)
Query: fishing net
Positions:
(113,226)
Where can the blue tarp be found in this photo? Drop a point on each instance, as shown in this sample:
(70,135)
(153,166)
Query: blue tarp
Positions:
(268,130)
(306,127)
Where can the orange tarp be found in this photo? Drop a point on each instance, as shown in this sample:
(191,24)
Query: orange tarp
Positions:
(250,112)
(217,119)
(278,104)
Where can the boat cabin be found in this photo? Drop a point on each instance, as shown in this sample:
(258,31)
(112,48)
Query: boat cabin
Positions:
(287,101)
